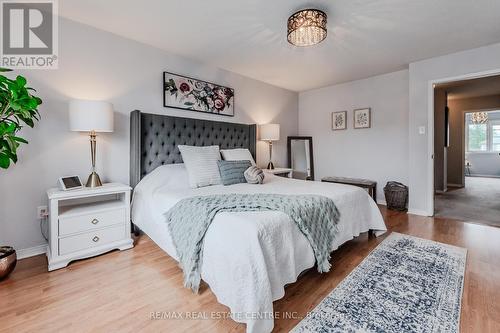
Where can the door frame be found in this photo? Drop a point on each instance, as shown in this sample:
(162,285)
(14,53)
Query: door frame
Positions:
(430,126)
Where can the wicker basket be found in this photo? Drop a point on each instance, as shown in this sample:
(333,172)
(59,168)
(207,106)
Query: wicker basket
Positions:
(8,260)
(396,196)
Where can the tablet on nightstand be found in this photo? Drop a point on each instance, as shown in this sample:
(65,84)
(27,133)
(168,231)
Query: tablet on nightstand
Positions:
(69,183)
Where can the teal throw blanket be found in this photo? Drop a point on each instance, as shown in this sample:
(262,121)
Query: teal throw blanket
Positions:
(188,221)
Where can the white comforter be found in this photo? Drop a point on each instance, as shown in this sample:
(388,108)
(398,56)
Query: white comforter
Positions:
(249,257)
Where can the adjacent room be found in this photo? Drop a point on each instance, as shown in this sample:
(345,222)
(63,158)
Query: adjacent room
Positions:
(467,150)
(250,166)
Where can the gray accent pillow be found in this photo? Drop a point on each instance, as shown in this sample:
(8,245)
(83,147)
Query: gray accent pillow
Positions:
(254,175)
(231,172)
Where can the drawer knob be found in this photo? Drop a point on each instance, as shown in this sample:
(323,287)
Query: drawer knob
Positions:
(95,221)
(95,239)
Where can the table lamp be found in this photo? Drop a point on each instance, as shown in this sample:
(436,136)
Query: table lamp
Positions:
(91,117)
(270,133)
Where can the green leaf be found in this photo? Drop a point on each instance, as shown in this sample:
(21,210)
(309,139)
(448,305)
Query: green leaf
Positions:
(3,144)
(21,81)
(31,103)
(12,144)
(12,85)
(3,128)
(29,122)
(4,161)
(11,155)
(5,69)
(19,108)
(10,128)
(19,139)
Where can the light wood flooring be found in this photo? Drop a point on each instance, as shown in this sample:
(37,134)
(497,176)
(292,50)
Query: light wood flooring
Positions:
(118,291)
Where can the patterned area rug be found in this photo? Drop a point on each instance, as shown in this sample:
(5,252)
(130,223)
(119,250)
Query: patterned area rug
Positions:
(406,284)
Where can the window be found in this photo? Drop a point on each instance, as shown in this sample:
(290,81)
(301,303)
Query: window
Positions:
(478,135)
(483,137)
(495,136)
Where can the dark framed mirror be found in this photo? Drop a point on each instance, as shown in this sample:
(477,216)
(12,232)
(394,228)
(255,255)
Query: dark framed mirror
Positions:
(300,157)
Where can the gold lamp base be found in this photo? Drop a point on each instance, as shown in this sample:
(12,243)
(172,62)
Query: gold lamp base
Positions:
(94,180)
(270,165)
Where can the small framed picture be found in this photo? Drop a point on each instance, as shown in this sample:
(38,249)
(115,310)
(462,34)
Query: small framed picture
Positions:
(362,118)
(339,120)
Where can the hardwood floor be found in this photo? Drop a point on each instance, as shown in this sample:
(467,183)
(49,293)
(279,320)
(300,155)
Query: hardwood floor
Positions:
(119,291)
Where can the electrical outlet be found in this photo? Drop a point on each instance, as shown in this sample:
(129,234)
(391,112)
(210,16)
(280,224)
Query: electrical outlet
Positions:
(42,212)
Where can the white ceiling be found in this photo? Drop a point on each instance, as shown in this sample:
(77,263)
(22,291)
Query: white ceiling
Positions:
(485,86)
(365,37)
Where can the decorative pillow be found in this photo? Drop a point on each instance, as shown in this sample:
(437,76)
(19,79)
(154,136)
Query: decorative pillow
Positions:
(254,175)
(238,154)
(231,172)
(201,165)
(171,176)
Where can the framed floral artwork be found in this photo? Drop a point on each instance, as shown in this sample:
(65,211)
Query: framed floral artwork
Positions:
(182,92)
(339,120)
(362,118)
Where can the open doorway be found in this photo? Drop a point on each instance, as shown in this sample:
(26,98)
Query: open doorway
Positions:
(467,150)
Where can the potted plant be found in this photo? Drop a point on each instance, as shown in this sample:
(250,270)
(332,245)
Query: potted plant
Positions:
(18,108)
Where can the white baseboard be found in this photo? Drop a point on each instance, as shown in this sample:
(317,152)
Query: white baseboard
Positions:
(483,176)
(455,185)
(382,202)
(31,251)
(417,212)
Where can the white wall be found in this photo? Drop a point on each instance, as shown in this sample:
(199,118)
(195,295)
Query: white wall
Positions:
(379,153)
(98,65)
(422,74)
(484,164)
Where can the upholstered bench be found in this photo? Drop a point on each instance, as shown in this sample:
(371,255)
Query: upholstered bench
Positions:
(364,183)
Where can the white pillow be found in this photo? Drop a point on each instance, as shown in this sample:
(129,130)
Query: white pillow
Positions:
(238,154)
(172,176)
(201,165)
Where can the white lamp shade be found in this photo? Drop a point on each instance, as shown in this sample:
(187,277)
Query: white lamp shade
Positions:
(88,116)
(269,132)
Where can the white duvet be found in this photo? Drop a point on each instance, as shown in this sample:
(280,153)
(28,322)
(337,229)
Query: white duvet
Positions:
(248,257)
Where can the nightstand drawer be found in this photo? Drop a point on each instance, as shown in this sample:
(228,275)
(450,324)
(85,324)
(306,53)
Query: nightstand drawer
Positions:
(91,239)
(81,223)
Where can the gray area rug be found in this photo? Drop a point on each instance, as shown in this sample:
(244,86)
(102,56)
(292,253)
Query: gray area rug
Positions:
(406,284)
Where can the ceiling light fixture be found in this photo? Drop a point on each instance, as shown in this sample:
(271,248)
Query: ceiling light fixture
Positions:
(307,27)
(479,117)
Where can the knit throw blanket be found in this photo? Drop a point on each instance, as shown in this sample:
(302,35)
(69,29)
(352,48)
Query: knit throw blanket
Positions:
(316,216)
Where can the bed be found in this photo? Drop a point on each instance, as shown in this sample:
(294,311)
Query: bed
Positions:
(248,257)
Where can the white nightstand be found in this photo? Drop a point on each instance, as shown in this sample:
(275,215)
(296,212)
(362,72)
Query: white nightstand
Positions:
(280,172)
(87,222)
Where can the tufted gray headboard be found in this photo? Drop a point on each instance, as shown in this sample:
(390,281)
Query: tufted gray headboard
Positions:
(154,139)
